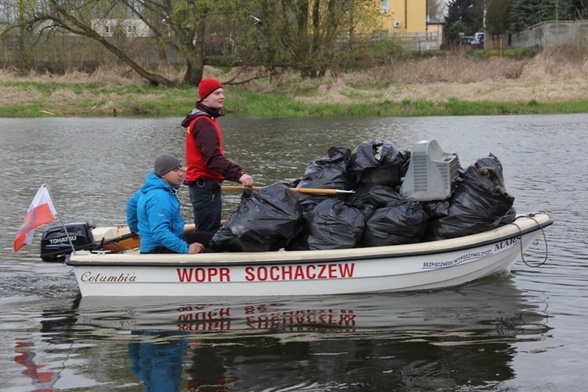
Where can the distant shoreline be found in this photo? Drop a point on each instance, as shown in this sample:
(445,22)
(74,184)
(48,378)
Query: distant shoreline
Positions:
(426,87)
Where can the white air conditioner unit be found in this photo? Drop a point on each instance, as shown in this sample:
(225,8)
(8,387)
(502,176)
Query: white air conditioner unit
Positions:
(431,172)
(397,23)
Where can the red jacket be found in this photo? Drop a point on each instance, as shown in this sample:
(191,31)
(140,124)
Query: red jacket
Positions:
(205,157)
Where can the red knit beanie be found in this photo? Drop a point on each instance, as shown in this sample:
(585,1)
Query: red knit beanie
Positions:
(207,87)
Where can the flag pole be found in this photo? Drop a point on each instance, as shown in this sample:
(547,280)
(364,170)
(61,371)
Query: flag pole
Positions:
(73,248)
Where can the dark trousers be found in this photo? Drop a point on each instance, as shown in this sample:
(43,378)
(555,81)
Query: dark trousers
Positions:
(190,237)
(207,203)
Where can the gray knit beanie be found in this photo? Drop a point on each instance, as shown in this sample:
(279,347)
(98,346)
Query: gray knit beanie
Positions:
(165,163)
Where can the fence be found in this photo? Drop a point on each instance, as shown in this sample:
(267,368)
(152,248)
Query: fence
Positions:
(551,34)
(417,41)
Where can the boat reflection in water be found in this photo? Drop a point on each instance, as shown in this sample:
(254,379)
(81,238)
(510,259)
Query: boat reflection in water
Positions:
(459,337)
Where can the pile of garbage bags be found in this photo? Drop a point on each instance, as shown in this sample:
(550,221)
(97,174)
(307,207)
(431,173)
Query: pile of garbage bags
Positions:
(376,214)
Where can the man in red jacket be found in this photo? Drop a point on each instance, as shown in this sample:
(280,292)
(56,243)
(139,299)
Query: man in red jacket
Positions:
(207,166)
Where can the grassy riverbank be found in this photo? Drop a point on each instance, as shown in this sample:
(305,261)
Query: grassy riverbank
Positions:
(435,86)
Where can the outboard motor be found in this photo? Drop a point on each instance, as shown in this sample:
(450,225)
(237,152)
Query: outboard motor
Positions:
(55,245)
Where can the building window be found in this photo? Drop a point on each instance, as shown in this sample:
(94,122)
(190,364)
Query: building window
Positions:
(385,5)
(132,30)
(107,30)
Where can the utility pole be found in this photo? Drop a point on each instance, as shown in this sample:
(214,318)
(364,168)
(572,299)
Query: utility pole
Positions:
(556,22)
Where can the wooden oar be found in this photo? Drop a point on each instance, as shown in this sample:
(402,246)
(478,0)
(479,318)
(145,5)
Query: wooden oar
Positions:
(312,191)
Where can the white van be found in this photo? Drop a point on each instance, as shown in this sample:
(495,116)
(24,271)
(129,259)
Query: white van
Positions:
(479,39)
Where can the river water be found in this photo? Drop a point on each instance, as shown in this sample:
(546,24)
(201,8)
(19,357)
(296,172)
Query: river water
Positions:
(525,331)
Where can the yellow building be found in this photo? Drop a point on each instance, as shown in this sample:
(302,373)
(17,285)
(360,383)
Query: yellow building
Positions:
(404,16)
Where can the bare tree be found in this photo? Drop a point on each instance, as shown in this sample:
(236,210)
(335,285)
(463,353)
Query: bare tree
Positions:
(498,17)
(11,18)
(308,35)
(178,24)
(302,34)
(435,9)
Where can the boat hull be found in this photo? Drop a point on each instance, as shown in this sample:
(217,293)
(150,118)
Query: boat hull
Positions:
(423,266)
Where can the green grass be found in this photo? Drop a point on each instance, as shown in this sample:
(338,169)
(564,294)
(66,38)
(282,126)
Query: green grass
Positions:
(281,106)
(95,100)
(510,53)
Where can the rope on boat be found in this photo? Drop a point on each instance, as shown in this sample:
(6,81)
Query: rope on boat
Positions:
(532,216)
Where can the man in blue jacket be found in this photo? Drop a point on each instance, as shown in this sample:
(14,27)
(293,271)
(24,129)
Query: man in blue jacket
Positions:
(154,212)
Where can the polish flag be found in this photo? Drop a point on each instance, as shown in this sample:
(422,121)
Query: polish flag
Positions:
(41,211)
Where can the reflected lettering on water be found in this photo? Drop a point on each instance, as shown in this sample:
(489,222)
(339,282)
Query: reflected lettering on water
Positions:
(320,343)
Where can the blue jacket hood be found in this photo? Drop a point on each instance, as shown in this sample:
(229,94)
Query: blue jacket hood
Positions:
(154,212)
(152,181)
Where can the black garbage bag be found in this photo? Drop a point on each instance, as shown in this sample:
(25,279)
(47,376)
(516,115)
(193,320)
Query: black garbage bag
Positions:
(437,208)
(308,202)
(379,162)
(325,173)
(369,197)
(332,225)
(478,204)
(329,172)
(267,220)
(509,217)
(403,222)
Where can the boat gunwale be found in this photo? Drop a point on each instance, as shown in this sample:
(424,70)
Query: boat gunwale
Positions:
(322,256)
